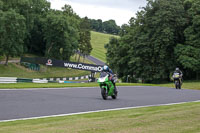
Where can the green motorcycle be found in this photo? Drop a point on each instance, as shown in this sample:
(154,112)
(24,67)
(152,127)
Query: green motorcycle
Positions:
(106,85)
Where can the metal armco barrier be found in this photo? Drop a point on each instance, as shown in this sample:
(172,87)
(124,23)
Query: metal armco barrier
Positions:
(41,80)
(8,80)
(23,80)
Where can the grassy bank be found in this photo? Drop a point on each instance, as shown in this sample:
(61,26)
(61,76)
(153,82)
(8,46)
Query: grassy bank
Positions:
(162,119)
(98,40)
(187,85)
(16,70)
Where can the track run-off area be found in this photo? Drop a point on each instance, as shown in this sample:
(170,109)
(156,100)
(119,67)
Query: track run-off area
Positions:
(21,104)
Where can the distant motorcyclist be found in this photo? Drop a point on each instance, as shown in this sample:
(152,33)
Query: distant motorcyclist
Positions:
(178,71)
(108,70)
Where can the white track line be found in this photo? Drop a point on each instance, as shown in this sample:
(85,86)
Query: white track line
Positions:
(116,109)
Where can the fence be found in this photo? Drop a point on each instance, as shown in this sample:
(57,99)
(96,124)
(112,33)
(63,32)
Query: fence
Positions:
(8,80)
(43,80)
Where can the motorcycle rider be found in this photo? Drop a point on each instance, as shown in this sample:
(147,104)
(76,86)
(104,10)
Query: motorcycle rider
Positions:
(108,70)
(177,70)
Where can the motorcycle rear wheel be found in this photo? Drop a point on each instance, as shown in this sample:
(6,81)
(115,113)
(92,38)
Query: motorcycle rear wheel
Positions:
(114,96)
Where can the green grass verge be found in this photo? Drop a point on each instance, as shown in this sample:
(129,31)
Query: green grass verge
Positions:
(98,40)
(182,118)
(195,85)
(186,85)
(46,85)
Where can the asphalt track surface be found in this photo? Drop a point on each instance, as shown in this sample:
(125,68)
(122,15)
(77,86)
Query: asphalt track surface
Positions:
(17,104)
(95,60)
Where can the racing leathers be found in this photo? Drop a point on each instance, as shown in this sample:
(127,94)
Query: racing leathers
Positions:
(112,78)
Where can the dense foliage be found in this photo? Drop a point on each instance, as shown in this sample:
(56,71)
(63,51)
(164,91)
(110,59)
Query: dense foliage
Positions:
(12,33)
(30,26)
(163,36)
(85,46)
(60,35)
(109,26)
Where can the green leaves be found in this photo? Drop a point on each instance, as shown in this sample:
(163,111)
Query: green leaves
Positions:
(150,40)
(12,31)
(59,34)
(85,46)
(1,5)
(109,26)
(50,33)
(188,54)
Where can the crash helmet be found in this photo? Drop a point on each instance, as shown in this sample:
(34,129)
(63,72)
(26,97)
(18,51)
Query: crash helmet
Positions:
(177,69)
(105,68)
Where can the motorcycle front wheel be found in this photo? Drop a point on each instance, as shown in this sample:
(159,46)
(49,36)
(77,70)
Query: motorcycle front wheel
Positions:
(104,93)
(176,84)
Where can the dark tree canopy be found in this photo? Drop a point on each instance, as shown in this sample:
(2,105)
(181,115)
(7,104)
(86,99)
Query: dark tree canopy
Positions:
(163,36)
(109,26)
(85,46)
(60,36)
(188,52)
(12,33)
(39,30)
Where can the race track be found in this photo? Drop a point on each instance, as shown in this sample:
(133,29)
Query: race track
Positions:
(17,104)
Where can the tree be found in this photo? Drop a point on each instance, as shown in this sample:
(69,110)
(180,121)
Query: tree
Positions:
(85,46)
(73,18)
(188,53)
(94,25)
(12,31)
(150,39)
(100,25)
(1,5)
(60,36)
(159,31)
(35,42)
(33,11)
(111,27)
(124,29)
